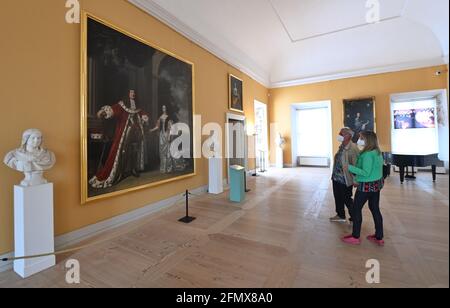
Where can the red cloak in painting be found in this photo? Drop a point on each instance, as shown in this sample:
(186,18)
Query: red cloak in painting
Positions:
(127,147)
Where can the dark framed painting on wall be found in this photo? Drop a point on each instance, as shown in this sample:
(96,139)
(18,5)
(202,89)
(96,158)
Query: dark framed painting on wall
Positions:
(135,96)
(359,115)
(236,97)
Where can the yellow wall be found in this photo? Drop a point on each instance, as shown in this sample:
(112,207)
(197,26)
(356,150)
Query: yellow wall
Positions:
(39,87)
(380,86)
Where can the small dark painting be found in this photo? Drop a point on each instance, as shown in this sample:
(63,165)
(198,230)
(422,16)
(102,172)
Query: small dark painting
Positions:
(236,102)
(359,115)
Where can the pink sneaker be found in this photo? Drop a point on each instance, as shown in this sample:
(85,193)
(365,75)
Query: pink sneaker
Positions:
(373,239)
(351,240)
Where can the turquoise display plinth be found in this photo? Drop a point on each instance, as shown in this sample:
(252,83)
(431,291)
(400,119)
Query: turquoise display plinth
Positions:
(237,184)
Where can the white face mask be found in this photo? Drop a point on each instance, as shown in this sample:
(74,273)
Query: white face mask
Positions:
(361,143)
(340,139)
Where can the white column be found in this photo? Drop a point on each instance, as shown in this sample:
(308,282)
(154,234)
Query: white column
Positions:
(279,158)
(215,176)
(33,228)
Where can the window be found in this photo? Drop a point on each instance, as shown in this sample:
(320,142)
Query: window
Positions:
(313,133)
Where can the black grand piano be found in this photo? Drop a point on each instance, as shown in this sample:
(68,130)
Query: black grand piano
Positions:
(403,162)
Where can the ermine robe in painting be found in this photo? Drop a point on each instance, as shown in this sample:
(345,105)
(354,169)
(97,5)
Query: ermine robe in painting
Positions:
(126,156)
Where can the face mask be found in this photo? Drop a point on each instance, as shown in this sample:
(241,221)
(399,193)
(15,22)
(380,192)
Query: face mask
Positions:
(361,143)
(340,139)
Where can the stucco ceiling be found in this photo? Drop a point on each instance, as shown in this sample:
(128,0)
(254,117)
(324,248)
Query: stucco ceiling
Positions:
(286,42)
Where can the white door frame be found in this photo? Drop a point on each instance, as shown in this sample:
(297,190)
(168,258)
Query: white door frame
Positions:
(266,128)
(236,117)
(294,137)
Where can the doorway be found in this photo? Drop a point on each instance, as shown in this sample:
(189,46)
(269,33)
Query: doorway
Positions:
(261,136)
(235,141)
(311,134)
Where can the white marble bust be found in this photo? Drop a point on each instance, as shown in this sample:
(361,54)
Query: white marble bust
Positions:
(31,158)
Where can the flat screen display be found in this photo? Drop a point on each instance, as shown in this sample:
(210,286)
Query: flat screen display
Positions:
(414,118)
(414,127)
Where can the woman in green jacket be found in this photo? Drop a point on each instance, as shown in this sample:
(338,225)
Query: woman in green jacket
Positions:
(370,182)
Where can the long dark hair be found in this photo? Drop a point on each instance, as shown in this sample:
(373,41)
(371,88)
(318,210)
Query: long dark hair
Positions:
(170,116)
(371,140)
(126,98)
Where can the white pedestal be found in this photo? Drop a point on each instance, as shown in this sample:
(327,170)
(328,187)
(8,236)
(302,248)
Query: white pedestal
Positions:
(279,158)
(33,228)
(215,176)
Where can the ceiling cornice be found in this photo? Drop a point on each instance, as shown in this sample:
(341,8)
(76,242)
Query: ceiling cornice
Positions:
(360,73)
(241,62)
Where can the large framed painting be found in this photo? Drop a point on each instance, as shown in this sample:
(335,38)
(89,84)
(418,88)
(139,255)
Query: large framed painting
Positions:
(236,97)
(359,115)
(134,96)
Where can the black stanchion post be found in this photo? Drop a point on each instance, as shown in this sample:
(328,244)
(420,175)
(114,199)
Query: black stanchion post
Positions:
(187,219)
(263,162)
(256,159)
(245,182)
(255,173)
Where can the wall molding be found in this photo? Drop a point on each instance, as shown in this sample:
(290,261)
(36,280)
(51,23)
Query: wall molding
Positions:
(359,73)
(241,62)
(6,266)
(74,237)
(285,166)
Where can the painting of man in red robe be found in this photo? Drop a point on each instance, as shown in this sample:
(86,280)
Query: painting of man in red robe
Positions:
(126,155)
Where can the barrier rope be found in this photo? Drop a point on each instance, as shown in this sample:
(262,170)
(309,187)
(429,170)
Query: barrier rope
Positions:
(109,238)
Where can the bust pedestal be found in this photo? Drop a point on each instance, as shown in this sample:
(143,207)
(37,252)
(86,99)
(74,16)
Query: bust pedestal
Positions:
(215,176)
(279,158)
(33,228)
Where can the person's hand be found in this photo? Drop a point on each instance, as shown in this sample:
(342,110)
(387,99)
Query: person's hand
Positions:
(355,185)
(101,114)
(345,168)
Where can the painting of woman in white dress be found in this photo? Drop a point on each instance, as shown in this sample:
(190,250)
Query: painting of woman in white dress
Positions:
(163,126)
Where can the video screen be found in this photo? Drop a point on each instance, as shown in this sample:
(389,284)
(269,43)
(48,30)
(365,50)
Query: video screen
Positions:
(415,118)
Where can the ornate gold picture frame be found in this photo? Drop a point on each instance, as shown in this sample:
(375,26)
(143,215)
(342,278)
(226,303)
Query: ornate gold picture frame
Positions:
(133,94)
(236,94)
(360,115)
